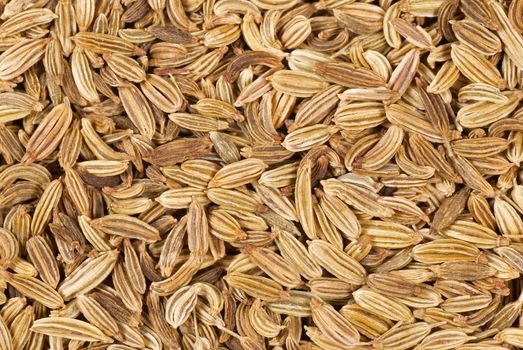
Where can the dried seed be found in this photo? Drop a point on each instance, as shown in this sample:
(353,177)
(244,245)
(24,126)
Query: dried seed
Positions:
(337,262)
(88,275)
(69,328)
(126,226)
(381,306)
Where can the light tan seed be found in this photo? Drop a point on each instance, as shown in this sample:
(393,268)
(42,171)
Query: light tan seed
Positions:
(88,275)
(361,18)
(410,119)
(97,315)
(49,133)
(238,173)
(42,257)
(303,199)
(180,305)
(359,198)
(138,109)
(348,75)
(296,254)
(366,323)
(20,57)
(69,328)
(383,151)
(262,321)
(482,113)
(163,93)
(274,266)
(126,226)
(339,214)
(389,234)
(381,306)
(403,336)
(333,324)
(256,286)
(125,67)
(297,83)
(513,43)
(337,262)
(475,67)
(83,76)
(443,250)
(105,43)
(477,37)
(415,35)
(35,289)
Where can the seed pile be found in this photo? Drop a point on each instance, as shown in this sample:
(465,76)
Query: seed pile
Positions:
(261,174)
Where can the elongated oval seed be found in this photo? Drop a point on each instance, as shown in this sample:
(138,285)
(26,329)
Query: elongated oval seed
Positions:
(404,336)
(20,57)
(42,257)
(163,93)
(333,324)
(49,133)
(389,234)
(274,266)
(138,109)
(443,250)
(383,306)
(297,255)
(180,305)
(69,328)
(238,173)
(337,262)
(484,72)
(297,83)
(256,286)
(88,275)
(105,43)
(308,137)
(35,289)
(97,315)
(444,339)
(126,226)
(262,321)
